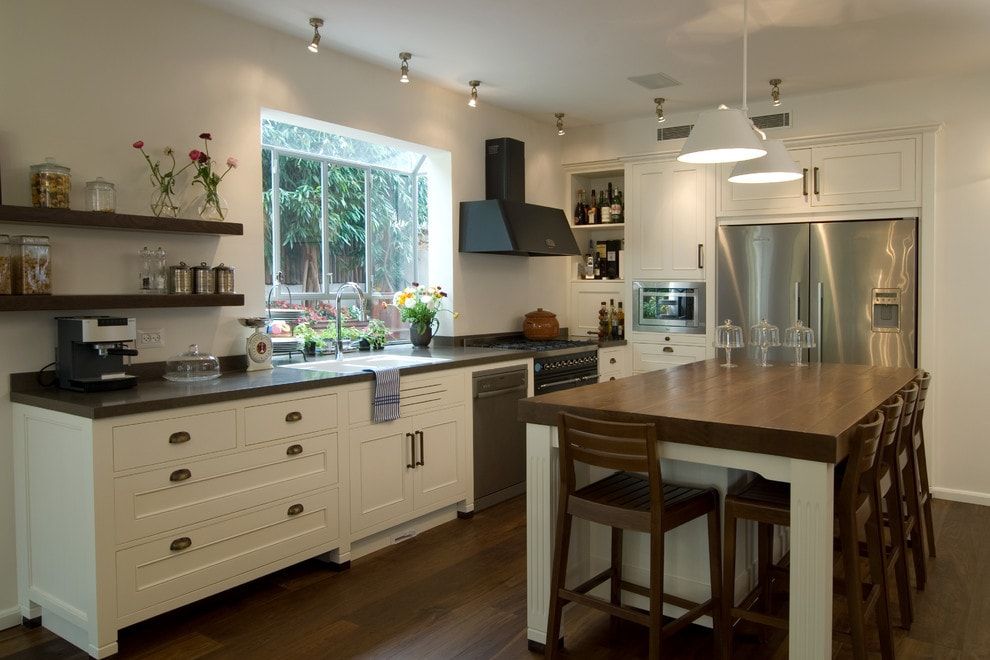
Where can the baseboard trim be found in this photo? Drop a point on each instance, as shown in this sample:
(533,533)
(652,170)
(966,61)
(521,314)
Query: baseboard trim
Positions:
(10,617)
(967,496)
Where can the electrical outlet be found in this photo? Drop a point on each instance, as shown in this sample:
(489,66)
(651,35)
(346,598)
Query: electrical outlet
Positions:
(150,338)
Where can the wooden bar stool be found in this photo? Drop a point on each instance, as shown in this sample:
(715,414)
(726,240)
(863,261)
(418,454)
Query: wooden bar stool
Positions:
(911,509)
(857,507)
(921,460)
(627,501)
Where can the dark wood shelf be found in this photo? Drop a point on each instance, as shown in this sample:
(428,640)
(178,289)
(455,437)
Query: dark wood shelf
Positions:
(73,218)
(119,301)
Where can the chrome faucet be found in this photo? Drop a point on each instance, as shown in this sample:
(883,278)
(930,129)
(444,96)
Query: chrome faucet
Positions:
(360,295)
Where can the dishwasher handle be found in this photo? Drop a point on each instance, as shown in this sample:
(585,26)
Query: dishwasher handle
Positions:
(491,393)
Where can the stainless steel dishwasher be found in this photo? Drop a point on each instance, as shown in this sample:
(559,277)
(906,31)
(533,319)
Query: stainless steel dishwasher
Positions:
(499,439)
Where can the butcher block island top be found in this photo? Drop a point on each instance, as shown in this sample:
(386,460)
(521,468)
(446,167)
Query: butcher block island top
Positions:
(806,413)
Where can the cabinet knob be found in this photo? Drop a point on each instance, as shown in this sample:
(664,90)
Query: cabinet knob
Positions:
(611,360)
(668,349)
(180,475)
(179,437)
(292,450)
(179,544)
(294,416)
(295,509)
(666,338)
(612,378)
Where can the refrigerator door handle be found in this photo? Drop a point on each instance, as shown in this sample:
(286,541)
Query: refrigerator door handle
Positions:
(818,328)
(797,301)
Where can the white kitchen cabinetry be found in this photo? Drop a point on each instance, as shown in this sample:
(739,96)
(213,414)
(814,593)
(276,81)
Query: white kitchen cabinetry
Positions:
(586,300)
(880,173)
(614,362)
(666,220)
(652,356)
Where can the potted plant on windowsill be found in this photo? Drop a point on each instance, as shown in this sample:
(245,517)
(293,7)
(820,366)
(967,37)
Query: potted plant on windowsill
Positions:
(376,335)
(311,339)
(419,305)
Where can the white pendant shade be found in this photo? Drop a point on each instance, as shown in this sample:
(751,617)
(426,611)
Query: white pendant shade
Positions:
(725,135)
(776,166)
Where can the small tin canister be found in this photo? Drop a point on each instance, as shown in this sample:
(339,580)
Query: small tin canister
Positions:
(223,279)
(180,278)
(202,276)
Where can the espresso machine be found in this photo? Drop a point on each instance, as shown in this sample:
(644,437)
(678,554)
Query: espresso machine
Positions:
(91,350)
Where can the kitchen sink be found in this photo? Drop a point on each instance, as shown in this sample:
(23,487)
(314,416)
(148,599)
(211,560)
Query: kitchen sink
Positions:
(351,365)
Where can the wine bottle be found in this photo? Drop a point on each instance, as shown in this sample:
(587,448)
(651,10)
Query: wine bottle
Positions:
(621,317)
(603,322)
(617,207)
(580,214)
(613,320)
(604,208)
(592,209)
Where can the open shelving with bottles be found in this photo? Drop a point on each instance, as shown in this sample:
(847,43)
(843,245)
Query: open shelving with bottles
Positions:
(597,179)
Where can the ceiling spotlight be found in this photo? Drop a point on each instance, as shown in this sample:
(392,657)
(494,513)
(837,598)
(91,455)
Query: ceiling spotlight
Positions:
(473,101)
(775,92)
(405,57)
(660,118)
(314,45)
(560,122)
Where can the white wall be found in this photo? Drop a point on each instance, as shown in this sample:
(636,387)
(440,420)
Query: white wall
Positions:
(961,370)
(82,81)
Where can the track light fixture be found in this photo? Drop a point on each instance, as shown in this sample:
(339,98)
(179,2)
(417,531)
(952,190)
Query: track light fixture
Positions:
(775,92)
(473,101)
(314,45)
(405,57)
(660,101)
(560,122)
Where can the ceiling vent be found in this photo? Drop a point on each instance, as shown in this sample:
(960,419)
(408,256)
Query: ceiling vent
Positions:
(779,120)
(674,132)
(654,81)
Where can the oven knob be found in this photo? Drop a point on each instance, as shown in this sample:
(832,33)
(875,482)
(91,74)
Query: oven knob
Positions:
(537,367)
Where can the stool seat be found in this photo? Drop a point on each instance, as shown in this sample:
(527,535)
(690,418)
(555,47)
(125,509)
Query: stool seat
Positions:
(631,492)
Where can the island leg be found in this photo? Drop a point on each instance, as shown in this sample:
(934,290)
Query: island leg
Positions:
(541,500)
(811,560)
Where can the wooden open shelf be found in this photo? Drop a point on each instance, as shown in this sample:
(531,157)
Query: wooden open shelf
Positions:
(97,220)
(119,301)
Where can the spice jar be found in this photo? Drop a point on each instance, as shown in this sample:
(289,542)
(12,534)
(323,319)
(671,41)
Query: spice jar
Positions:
(5,284)
(180,278)
(31,267)
(202,276)
(50,185)
(101,196)
(223,279)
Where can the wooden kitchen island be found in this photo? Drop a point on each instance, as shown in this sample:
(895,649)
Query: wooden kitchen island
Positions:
(785,423)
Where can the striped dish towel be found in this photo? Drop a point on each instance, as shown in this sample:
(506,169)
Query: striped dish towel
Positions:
(385,405)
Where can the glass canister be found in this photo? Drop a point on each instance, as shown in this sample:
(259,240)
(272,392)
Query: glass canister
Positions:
(5,273)
(30,265)
(51,184)
(727,337)
(192,366)
(223,279)
(202,276)
(101,195)
(180,278)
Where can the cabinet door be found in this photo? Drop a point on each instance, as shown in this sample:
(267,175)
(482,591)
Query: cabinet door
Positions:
(788,196)
(440,475)
(882,172)
(586,299)
(652,357)
(381,473)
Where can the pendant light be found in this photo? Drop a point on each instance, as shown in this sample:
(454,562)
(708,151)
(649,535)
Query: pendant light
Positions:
(775,167)
(725,135)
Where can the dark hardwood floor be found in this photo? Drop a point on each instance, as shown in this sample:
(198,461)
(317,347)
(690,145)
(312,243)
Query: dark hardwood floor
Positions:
(460,591)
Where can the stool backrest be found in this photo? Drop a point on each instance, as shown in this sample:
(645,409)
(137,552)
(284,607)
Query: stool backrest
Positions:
(862,467)
(923,380)
(892,411)
(609,445)
(910,394)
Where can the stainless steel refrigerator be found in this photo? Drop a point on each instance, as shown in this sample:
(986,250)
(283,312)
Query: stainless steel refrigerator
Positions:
(854,283)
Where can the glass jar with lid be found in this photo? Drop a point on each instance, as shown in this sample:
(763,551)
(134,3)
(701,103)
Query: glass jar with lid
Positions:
(6,287)
(51,184)
(30,265)
(727,337)
(799,337)
(101,195)
(192,366)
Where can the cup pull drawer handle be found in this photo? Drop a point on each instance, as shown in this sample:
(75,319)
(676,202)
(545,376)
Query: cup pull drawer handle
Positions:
(292,450)
(295,509)
(611,360)
(179,544)
(612,378)
(180,475)
(179,437)
(294,416)
(668,349)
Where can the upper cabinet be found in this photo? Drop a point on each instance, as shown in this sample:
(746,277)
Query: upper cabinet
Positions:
(666,220)
(839,177)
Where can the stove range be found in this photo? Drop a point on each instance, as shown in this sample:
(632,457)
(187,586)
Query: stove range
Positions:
(541,345)
(561,363)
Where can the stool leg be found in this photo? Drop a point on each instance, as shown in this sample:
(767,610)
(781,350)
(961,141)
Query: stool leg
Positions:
(714,557)
(656,592)
(765,560)
(926,489)
(898,542)
(728,581)
(854,583)
(878,571)
(616,585)
(917,534)
(560,549)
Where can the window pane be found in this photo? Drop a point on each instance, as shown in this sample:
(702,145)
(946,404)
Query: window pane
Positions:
(345,224)
(266,206)
(337,147)
(300,224)
(423,231)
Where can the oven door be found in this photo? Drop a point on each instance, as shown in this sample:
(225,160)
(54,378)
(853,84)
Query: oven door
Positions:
(564,382)
(669,307)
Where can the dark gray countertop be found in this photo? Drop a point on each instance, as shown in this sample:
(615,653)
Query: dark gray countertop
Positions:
(160,394)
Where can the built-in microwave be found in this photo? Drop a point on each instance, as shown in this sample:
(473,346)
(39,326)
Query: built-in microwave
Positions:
(669,307)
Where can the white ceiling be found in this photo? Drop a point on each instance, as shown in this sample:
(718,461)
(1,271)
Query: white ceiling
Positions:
(544,56)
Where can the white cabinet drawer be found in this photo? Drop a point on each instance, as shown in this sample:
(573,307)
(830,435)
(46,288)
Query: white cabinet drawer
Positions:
(649,357)
(154,572)
(284,419)
(614,362)
(150,443)
(179,495)
(417,395)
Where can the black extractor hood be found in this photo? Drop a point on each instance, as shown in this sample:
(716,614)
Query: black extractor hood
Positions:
(504,223)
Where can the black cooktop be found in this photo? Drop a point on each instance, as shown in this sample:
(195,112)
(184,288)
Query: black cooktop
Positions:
(522,344)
